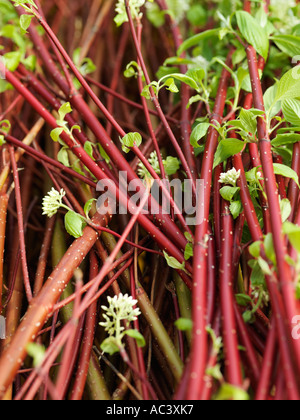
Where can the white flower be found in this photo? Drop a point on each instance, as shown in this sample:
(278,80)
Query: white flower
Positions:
(153,160)
(120,308)
(135,6)
(52,202)
(230,177)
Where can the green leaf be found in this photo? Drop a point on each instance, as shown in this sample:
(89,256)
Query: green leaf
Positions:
(293,232)
(271,105)
(249,317)
(189,251)
(171,86)
(171,165)
(88,206)
(231,393)
(63,157)
(197,39)
(25,21)
(5,126)
(215,372)
(64,110)
(257,277)
(185,79)
(74,224)
(89,148)
(286,209)
(228,193)
(283,139)
(288,87)
(198,133)
(184,324)
(29,62)
(110,346)
(188,237)
(253,33)
(226,149)
(242,299)
(264,266)
(254,249)
(269,248)
(130,140)
(289,44)
(140,340)
(103,153)
(56,133)
(37,352)
(248,119)
(291,111)
(12,60)
(236,208)
(173,263)
(286,172)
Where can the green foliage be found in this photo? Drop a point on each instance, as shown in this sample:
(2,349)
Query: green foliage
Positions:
(184,324)
(121,308)
(253,32)
(37,352)
(5,127)
(130,140)
(226,149)
(74,224)
(173,263)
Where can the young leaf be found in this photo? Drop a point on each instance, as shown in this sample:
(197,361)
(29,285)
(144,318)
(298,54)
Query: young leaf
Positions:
(25,21)
(171,165)
(248,119)
(37,352)
(228,193)
(56,133)
(283,139)
(185,79)
(236,208)
(12,60)
(291,111)
(197,39)
(226,149)
(293,232)
(269,248)
(231,393)
(253,33)
(88,206)
(74,224)
(242,299)
(198,133)
(286,171)
(130,140)
(63,157)
(254,249)
(189,251)
(288,87)
(289,44)
(109,346)
(137,336)
(184,324)
(286,209)
(173,263)
(64,110)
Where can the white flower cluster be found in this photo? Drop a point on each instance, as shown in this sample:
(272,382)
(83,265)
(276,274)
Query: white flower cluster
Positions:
(120,308)
(260,293)
(230,177)
(153,160)
(135,6)
(52,202)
